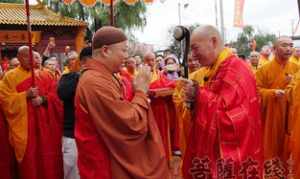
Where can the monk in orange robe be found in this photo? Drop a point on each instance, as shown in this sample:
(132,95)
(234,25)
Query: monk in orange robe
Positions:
(272,80)
(116,139)
(226,128)
(34,117)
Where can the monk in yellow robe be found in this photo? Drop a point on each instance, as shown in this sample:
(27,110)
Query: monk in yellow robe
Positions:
(149,60)
(272,79)
(295,58)
(264,55)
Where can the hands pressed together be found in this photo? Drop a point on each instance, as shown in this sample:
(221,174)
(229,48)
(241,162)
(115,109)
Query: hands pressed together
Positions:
(142,80)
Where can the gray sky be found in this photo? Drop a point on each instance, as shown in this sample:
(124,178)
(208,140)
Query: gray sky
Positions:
(272,16)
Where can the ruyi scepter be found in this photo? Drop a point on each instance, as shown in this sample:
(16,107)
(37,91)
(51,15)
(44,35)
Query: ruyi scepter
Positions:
(182,33)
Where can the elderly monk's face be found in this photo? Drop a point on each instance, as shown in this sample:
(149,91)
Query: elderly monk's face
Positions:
(149,60)
(23,57)
(14,63)
(203,49)
(130,63)
(118,54)
(284,48)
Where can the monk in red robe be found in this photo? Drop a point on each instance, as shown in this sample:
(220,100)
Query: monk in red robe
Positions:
(225,140)
(116,139)
(34,117)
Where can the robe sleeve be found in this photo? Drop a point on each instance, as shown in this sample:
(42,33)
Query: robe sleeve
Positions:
(265,93)
(14,106)
(115,117)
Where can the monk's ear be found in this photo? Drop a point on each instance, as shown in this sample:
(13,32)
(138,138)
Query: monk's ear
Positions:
(105,51)
(214,41)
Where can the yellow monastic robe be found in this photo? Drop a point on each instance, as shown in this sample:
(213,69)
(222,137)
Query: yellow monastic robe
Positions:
(253,68)
(262,61)
(154,75)
(270,77)
(182,113)
(295,60)
(14,105)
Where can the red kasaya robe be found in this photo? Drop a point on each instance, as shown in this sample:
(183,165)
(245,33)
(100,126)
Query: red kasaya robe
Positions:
(126,81)
(8,168)
(164,113)
(226,129)
(35,132)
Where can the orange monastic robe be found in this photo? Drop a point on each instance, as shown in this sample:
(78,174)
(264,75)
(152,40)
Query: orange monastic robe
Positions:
(270,77)
(34,132)
(226,127)
(263,60)
(295,60)
(295,120)
(116,139)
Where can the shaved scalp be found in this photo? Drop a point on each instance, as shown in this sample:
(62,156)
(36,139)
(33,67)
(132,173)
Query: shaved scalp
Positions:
(149,55)
(23,49)
(280,39)
(208,31)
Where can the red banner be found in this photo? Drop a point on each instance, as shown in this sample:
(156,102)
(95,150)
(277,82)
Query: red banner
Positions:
(238,13)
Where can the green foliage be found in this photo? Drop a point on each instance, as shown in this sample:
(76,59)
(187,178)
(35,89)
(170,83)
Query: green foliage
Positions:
(11,1)
(126,17)
(261,38)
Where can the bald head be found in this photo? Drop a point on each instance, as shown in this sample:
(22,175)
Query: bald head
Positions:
(206,44)
(207,31)
(14,63)
(149,59)
(283,48)
(297,52)
(254,58)
(23,57)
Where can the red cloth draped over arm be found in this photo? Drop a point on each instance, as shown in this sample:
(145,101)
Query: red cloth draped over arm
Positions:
(164,114)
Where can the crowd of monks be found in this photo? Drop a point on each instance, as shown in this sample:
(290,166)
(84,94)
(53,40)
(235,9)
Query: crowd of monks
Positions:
(136,118)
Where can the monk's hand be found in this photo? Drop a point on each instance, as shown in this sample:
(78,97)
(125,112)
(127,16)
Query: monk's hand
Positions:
(288,78)
(142,80)
(32,92)
(279,93)
(37,101)
(189,91)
